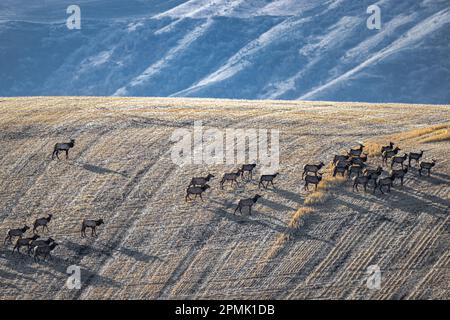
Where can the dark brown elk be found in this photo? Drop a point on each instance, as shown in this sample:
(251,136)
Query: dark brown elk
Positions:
(399,159)
(424,165)
(197,191)
(268,178)
(63,147)
(247,203)
(249,169)
(312,180)
(415,156)
(93,224)
(44,251)
(232,177)
(341,167)
(355,168)
(364,180)
(399,174)
(22,242)
(356,152)
(384,182)
(389,154)
(390,146)
(340,157)
(39,242)
(42,222)
(200,181)
(16,233)
(313,168)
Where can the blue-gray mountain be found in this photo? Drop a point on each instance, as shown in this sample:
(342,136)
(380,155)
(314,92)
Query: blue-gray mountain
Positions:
(252,49)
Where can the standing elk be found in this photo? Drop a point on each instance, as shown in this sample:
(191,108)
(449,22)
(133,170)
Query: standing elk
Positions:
(389,154)
(415,156)
(426,166)
(42,222)
(364,180)
(313,168)
(399,159)
(384,182)
(93,224)
(340,157)
(268,178)
(16,233)
(341,167)
(197,191)
(356,152)
(63,147)
(312,180)
(200,181)
(399,174)
(246,203)
(390,146)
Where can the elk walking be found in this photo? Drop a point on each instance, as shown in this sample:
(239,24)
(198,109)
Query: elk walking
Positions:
(200,181)
(42,222)
(197,191)
(268,178)
(66,146)
(15,233)
(247,203)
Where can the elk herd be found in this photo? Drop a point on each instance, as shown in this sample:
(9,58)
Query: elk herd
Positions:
(352,164)
(198,185)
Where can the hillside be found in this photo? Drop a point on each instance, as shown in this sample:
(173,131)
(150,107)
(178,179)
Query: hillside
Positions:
(246,49)
(154,245)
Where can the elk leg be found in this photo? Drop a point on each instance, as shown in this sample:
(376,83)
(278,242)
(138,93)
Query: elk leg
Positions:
(67,154)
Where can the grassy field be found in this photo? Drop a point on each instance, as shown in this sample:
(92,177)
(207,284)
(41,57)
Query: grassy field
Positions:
(153,245)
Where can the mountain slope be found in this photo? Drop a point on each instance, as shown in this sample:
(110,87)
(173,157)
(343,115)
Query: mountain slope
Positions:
(287,49)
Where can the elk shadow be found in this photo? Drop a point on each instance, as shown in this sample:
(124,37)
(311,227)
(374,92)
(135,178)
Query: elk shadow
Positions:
(289,195)
(101,170)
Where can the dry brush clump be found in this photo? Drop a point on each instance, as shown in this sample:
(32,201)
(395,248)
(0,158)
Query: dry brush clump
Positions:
(434,133)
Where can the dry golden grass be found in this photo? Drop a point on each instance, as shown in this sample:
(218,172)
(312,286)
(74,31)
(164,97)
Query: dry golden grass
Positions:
(438,136)
(426,133)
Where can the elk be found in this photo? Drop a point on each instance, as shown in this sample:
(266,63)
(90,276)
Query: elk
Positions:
(399,159)
(38,243)
(359,160)
(63,147)
(355,168)
(247,203)
(389,154)
(387,148)
(340,157)
(90,224)
(399,174)
(232,177)
(42,222)
(21,242)
(415,156)
(314,168)
(356,151)
(267,178)
(341,167)
(312,180)
(370,172)
(16,233)
(200,181)
(384,182)
(44,251)
(426,166)
(249,169)
(197,191)
(364,180)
